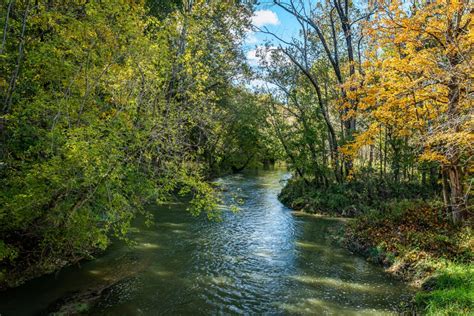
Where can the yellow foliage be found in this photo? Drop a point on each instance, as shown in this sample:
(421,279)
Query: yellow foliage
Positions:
(417,79)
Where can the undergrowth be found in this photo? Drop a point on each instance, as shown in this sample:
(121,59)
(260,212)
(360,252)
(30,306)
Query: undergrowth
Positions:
(416,242)
(349,198)
(406,230)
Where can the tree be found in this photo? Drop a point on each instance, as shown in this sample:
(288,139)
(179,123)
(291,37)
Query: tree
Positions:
(418,84)
(93,125)
(325,22)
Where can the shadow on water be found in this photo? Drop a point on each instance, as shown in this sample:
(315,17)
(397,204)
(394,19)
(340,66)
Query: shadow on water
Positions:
(261,259)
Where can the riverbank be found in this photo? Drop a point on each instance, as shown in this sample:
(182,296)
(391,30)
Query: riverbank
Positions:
(413,244)
(259,260)
(410,238)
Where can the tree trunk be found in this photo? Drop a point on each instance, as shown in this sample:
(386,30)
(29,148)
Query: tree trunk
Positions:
(453,169)
(371,158)
(446,195)
(458,203)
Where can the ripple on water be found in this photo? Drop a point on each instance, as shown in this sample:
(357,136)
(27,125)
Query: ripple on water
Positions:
(259,260)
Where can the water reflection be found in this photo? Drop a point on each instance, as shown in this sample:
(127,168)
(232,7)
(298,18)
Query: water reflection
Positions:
(259,260)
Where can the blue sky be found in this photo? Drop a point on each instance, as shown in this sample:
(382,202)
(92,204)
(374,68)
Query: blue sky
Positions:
(265,14)
(276,20)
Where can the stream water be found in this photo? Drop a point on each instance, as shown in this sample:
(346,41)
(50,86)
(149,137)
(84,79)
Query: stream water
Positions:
(262,259)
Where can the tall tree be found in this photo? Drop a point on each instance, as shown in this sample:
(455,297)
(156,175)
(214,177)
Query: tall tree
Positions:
(418,85)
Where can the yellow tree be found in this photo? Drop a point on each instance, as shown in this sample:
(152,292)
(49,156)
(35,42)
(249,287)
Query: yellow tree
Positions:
(418,82)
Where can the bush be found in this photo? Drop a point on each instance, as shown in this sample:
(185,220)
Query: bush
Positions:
(349,198)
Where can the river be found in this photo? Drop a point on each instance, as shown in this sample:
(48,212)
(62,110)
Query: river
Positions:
(260,260)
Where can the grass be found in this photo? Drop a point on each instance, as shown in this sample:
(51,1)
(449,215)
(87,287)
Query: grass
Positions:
(452,292)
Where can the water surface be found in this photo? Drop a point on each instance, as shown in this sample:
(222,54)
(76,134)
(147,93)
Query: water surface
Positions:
(260,260)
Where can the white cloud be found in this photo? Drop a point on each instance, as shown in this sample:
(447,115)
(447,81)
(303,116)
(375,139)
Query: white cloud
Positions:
(261,18)
(265,17)
(258,83)
(261,84)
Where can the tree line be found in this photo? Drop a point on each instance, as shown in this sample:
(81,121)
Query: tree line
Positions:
(107,105)
(378,90)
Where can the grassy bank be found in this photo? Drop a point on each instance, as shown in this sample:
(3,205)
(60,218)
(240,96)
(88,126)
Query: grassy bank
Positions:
(415,243)
(405,231)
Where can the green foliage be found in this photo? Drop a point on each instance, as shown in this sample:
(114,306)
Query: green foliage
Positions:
(244,138)
(350,198)
(7,252)
(451,292)
(106,107)
(163,8)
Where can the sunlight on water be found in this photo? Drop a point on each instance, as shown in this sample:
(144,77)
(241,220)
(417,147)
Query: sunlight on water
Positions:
(337,283)
(162,273)
(260,260)
(147,245)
